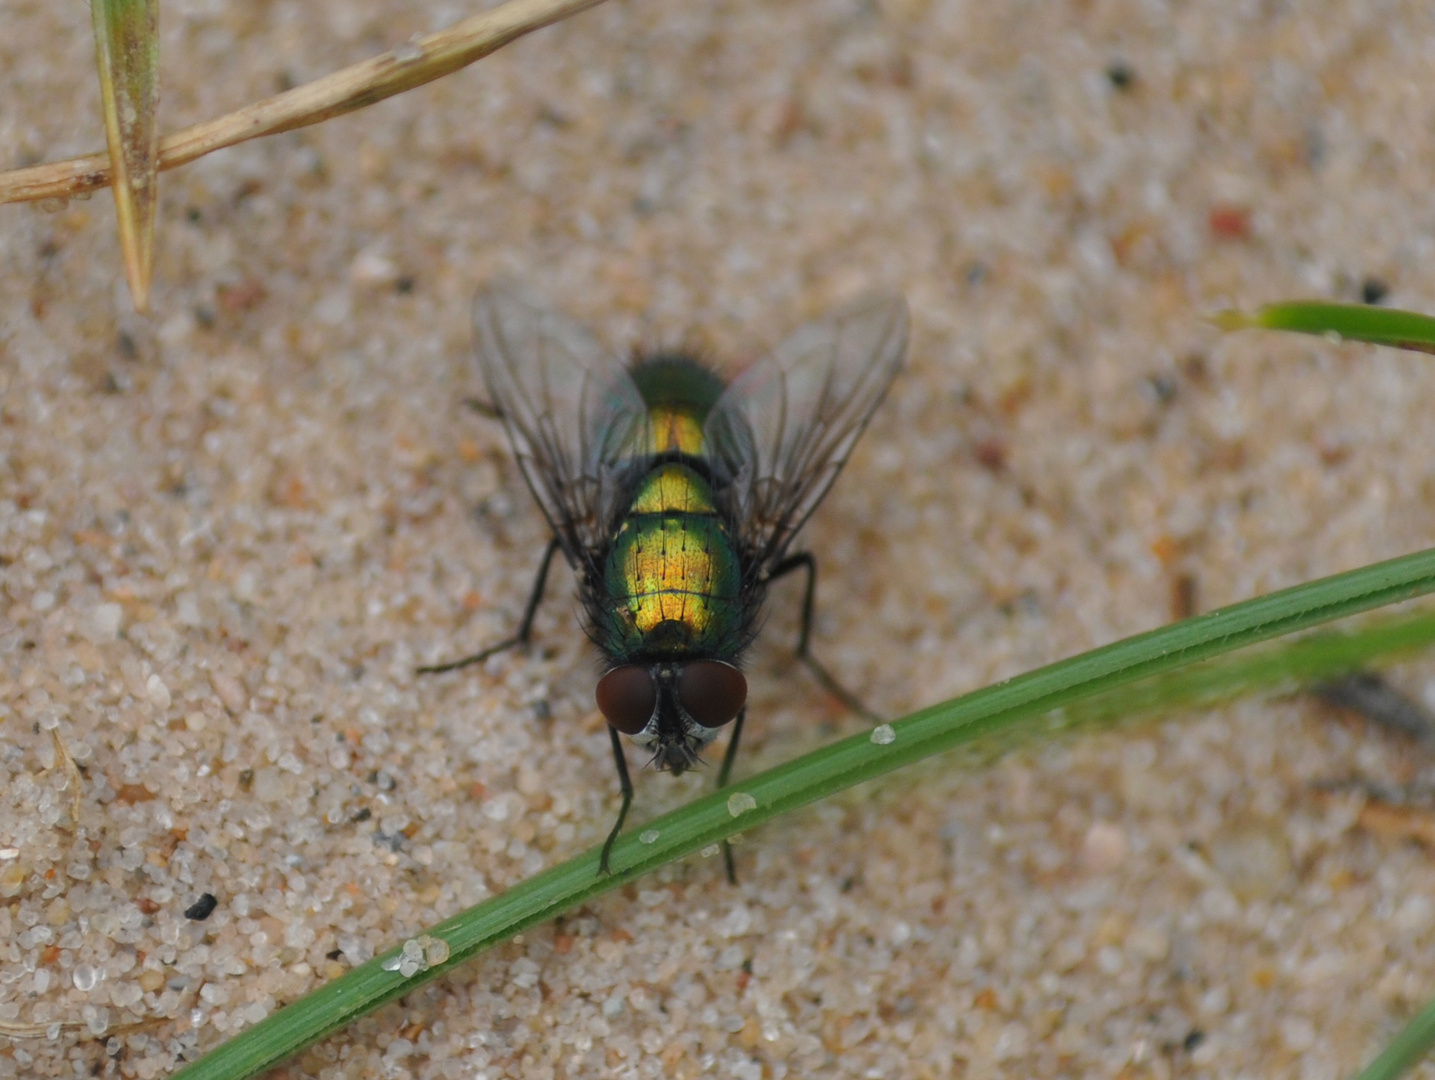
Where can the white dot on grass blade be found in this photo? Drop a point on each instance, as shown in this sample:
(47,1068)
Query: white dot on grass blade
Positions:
(649,836)
(740,802)
(711,850)
(884,735)
(435,950)
(418,954)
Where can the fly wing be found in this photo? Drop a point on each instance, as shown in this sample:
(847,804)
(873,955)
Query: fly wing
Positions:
(783,429)
(571,411)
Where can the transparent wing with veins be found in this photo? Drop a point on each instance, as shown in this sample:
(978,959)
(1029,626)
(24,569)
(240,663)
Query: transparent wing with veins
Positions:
(570,408)
(782,430)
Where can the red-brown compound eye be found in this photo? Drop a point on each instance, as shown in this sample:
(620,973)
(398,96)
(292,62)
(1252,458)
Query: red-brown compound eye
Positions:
(627,697)
(713,693)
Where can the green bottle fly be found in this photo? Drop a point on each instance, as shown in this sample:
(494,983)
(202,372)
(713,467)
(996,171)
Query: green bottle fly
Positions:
(676,495)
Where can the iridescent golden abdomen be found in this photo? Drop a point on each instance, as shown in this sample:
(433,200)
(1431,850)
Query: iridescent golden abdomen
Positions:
(672,573)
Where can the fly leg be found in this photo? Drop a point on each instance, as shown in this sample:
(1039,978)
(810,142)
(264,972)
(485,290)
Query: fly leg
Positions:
(804,560)
(723,774)
(627,785)
(525,627)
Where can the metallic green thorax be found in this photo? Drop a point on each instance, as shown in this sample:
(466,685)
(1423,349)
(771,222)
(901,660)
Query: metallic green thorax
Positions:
(671,577)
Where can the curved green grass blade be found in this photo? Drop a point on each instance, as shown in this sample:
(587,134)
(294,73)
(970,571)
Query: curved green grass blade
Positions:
(127,54)
(1005,710)
(1353,322)
(1406,1050)
(1401,330)
(1291,668)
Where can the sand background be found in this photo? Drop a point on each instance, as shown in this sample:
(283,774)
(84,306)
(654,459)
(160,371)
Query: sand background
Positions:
(228,534)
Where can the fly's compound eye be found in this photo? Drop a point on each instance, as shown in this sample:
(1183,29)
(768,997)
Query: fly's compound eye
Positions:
(713,693)
(627,697)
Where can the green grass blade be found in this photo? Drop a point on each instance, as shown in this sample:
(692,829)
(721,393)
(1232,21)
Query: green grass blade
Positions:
(1004,710)
(127,54)
(1290,668)
(1406,1050)
(1353,322)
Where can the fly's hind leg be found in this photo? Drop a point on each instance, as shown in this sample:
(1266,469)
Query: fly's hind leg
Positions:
(804,560)
(525,627)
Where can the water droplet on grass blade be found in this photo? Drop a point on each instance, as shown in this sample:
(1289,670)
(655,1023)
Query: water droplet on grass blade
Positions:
(740,802)
(436,951)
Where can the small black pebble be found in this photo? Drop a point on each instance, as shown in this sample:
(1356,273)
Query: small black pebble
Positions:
(334,954)
(363,815)
(202,908)
(1120,74)
(1373,290)
(1194,1038)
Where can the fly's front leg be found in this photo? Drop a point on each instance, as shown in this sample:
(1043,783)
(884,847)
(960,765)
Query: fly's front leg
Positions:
(525,627)
(723,774)
(621,761)
(804,560)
